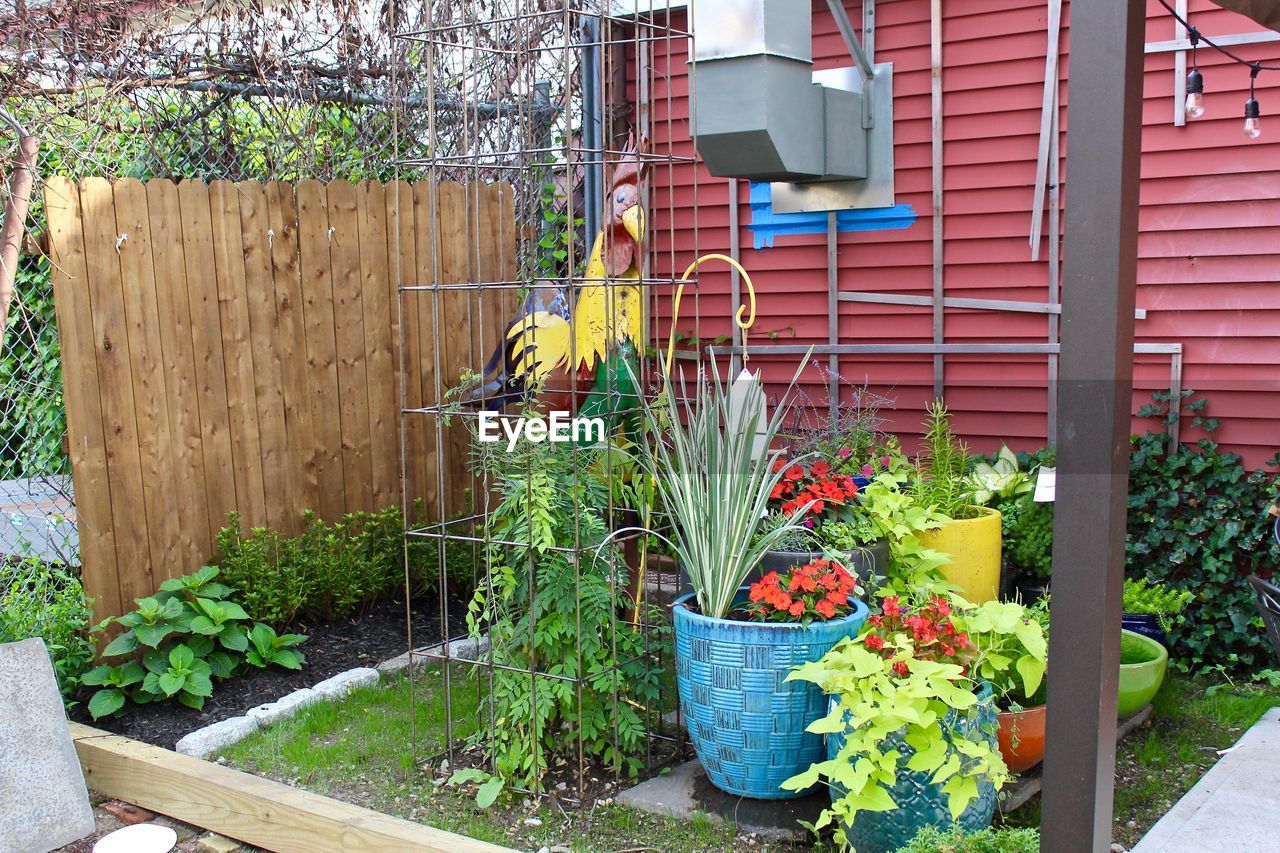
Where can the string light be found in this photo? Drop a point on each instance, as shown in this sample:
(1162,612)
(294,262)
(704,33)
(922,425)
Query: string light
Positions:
(1252,114)
(1195,80)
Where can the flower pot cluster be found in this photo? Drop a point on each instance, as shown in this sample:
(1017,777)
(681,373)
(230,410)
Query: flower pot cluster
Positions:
(844,625)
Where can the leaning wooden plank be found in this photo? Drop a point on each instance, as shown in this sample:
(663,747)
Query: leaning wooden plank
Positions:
(248,808)
(237,353)
(119,412)
(80,390)
(146,358)
(322,355)
(191,507)
(348,321)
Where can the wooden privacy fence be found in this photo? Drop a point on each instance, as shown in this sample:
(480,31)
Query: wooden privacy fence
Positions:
(236,346)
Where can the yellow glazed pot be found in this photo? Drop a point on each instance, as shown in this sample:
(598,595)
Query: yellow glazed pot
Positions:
(974,546)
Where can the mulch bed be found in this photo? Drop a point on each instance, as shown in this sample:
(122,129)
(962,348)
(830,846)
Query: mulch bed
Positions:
(330,649)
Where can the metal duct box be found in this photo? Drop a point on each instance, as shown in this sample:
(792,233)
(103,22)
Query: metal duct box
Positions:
(761,118)
(759,113)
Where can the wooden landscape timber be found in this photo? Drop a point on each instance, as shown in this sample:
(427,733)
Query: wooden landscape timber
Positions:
(248,808)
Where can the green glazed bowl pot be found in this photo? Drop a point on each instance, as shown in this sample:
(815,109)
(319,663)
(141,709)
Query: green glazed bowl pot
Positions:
(1140,682)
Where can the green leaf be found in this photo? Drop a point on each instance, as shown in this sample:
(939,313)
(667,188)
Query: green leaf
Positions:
(234,638)
(191,700)
(180,658)
(152,635)
(1032,672)
(170,683)
(467,774)
(155,661)
(126,643)
(205,625)
(489,791)
(288,658)
(97,676)
(106,702)
(198,684)
(221,664)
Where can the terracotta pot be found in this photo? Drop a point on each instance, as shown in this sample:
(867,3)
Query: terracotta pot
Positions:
(1026,729)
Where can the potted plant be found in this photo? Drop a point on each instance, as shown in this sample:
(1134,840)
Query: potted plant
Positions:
(747,727)
(1152,609)
(971,533)
(1014,655)
(1143,663)
(1028,545)
(911,731)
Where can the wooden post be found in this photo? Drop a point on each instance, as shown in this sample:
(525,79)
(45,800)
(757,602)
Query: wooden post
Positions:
(15,214)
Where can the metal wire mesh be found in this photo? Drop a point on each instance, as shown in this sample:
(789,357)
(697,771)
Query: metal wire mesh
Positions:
(576,83)
(232,90)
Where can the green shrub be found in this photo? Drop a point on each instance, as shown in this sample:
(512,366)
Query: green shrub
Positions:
(331,572)
(1198,522)
(1003,840)
(39,599)
(178,641)
(1028,536)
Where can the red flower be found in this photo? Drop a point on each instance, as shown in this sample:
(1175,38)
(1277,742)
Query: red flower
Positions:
(837,597)
(874,642)
(901,668)
(826,608)
(795,472)
(949,651)
(820,469)
(941,605)
(891,606)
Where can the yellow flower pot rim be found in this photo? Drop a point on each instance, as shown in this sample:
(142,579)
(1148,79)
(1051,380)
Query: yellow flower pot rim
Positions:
(986,513)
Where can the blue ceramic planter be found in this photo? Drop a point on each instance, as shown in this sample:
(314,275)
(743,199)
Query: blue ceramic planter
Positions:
(1147,625)
(920,801)
(746,722)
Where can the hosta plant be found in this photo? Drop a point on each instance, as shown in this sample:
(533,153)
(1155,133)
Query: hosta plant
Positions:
(178,641)
(1000,480)
(907,679)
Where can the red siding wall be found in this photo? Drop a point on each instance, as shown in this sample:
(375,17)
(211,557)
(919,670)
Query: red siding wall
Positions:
(1209,268)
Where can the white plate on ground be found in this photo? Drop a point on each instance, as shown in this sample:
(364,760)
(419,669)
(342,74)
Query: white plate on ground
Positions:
(139,838)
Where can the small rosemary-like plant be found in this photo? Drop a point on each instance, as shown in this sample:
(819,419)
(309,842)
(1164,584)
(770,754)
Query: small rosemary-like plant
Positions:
(942,467)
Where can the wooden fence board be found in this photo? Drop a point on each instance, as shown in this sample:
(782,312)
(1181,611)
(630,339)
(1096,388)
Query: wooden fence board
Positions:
(237,352)
(142,315)
(81,393)
(302,484)
(263,333)
(119,410)
(322,346)
(375,299)
(348,316)
(206,344)
(186,464)
(239,347)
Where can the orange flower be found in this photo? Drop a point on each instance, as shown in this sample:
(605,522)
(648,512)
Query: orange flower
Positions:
(826,608)
(796,608)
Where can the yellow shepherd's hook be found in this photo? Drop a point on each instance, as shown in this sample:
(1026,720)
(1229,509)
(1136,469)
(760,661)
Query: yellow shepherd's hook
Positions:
(749,308)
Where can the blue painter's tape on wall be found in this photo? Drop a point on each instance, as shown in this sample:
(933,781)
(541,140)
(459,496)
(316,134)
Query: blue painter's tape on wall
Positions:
(765,224)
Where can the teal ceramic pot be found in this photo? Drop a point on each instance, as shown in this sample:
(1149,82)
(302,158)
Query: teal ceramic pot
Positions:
(1140,682)
(747,723)
(921,802)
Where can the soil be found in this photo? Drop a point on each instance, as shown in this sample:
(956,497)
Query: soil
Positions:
(330,649)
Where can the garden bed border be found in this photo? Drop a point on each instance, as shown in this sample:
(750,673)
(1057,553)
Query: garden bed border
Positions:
(248,808)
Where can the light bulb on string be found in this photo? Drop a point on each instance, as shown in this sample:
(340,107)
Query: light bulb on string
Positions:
(1195,81)
(1252,112)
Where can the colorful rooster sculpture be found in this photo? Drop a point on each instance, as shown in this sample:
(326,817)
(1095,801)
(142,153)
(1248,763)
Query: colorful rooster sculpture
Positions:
(582,358)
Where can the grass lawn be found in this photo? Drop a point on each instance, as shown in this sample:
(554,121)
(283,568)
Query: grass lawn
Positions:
(1160,762)
(358,750)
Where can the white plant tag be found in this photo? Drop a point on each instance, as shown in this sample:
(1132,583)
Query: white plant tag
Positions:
(1046,485)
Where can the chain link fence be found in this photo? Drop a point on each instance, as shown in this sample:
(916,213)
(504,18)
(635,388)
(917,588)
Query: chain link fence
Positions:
(234,90)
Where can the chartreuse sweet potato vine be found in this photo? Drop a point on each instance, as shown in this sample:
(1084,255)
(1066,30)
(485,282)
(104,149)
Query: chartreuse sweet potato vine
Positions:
(905,676)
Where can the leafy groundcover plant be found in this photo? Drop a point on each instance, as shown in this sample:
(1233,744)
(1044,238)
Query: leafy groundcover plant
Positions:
(908,676)
(178,641)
